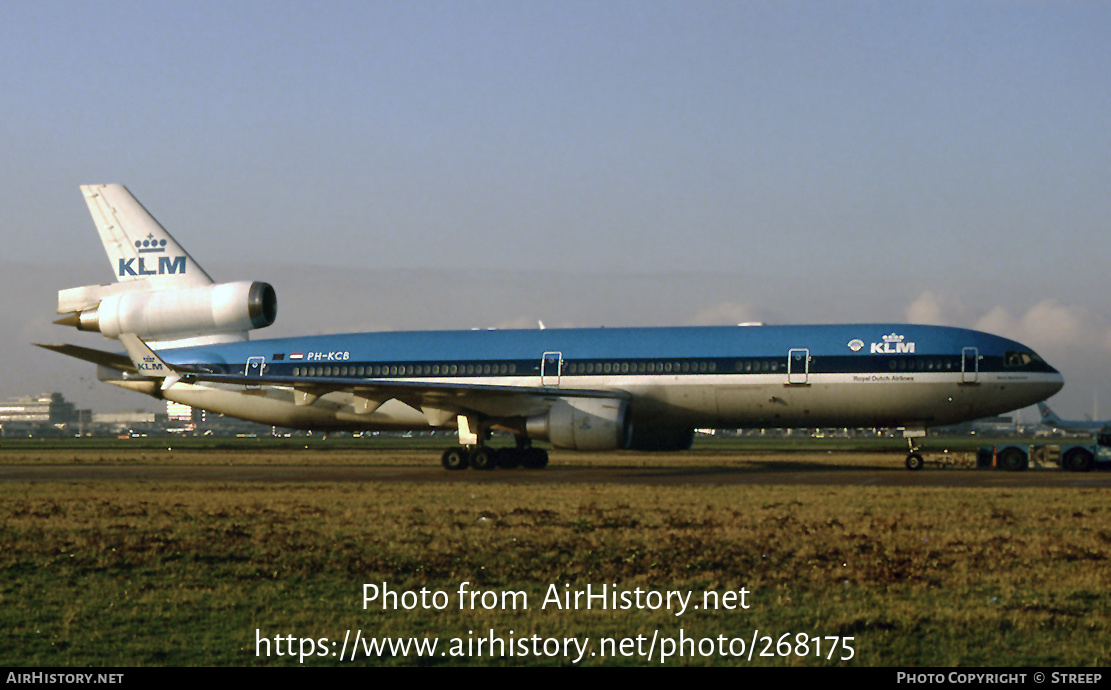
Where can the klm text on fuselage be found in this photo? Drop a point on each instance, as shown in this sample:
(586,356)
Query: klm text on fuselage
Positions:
(167,265)
(892,348)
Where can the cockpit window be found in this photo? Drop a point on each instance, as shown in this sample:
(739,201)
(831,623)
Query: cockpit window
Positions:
(1016,360)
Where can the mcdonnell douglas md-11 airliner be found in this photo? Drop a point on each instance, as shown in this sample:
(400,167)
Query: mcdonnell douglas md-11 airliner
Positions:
(594,389)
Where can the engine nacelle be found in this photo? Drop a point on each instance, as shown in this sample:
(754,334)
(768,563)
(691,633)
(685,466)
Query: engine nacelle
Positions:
(583,424)
(220,308)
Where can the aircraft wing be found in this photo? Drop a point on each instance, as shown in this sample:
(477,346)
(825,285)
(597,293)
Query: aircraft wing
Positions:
(111,360)
(396,388)
(440,401)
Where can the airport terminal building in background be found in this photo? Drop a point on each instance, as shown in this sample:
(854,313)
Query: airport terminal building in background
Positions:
(44,409)
(51,415)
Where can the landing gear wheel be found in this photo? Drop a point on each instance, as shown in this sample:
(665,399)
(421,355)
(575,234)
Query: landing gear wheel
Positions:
(535,458)
(454,459)
(1078,460)
(915,461)
(1013,460)
(509,458)
(484,458)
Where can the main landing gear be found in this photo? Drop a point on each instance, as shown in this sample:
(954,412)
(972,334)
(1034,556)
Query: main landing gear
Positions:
(485,458)
(473,451)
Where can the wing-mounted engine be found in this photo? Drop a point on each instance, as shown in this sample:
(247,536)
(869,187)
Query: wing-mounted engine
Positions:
(603,424)
(221,312)
(583,424)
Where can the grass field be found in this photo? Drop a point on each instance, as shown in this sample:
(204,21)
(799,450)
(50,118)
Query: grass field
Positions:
(131,573)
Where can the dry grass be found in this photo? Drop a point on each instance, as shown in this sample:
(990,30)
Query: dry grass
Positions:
(132,573)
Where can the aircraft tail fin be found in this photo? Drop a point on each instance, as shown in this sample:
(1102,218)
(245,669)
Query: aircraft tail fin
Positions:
(138,247)
(1048,415)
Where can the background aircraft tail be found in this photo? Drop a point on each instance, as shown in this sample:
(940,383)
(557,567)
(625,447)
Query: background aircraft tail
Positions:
(1048,415)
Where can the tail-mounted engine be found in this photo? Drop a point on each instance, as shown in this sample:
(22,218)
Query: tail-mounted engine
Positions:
(223,311)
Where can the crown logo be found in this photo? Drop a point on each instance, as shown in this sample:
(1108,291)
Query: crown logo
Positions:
(150,245)
(892,338)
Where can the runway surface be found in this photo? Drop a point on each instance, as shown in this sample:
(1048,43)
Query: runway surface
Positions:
(769,474)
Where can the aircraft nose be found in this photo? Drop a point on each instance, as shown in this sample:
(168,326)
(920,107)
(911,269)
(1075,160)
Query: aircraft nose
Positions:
(1058,381)
(1050,384)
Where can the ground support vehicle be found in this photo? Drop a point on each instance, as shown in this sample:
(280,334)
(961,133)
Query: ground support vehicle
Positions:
(1083,457)
(1080,456)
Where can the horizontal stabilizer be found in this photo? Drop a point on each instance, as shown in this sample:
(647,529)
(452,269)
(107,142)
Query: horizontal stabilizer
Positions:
(111,360)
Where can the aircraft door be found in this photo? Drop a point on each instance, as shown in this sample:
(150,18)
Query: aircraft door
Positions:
(256,366)
(798,366)
(970,365)
(551,366)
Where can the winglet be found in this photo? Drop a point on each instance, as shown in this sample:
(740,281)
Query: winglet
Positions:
(147,362)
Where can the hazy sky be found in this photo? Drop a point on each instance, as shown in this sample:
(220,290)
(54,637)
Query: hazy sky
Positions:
(946,162)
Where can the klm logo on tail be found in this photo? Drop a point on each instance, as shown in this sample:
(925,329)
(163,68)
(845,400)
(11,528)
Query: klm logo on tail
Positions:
(166,265)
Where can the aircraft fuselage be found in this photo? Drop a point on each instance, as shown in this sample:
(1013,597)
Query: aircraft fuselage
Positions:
(726,377)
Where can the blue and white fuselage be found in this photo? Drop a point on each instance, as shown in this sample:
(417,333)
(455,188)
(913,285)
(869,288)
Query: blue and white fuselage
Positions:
(670,378)
(589,389)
